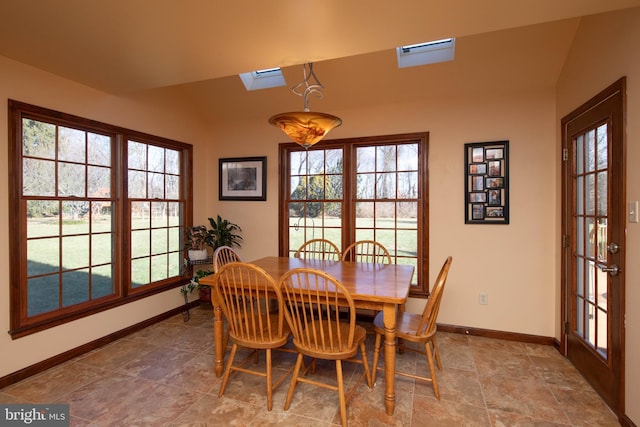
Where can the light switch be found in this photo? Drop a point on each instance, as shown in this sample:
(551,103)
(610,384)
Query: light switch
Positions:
(632,211)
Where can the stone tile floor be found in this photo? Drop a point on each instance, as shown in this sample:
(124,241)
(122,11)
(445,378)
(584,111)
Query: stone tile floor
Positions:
(163,376)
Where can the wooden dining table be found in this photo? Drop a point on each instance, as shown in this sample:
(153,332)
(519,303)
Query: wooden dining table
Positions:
(372,286)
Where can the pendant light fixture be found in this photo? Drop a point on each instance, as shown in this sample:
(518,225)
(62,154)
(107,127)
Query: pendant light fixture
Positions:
(306,127)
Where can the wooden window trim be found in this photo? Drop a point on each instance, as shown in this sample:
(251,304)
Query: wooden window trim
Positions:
(421,290)
(21,326)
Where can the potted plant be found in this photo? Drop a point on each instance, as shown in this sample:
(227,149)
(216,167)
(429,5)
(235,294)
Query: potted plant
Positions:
(205,291)
(223,233)
(196,241)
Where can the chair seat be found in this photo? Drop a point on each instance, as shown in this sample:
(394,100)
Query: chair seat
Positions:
(260,338)
(406,326)
(335,342)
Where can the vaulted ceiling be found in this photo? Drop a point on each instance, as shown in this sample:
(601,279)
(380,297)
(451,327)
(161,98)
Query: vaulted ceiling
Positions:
(197,47)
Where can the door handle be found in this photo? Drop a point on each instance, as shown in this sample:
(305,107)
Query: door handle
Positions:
(613,270)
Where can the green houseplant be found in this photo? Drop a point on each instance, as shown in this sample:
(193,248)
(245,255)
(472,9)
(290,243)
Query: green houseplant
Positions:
(224,233)
(196,240)
(221,233)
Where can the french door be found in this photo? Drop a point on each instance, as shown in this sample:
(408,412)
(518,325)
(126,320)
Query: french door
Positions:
(594,241)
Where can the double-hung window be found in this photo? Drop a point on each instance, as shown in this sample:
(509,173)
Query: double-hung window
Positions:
(97,218)
(346,190)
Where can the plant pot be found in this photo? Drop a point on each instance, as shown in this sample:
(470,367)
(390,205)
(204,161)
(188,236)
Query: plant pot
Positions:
(205,294)
(198,254)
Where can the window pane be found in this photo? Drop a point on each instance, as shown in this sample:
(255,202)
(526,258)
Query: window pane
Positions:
(71,145)
(385,158)
(365,186)
(159,267)
(408,157)
(159,241)
(75,252)
(315,189)
(408,185)
(98,149)
(101,249)
(156,186)
(38,139)
(173,162)
(386,186)
(315,162)
(75,217)
(101,217)
(42,218)
(140,215)
(99,181)
(42,295)
(75,287)
(102,281)
(156,159)
(137,185)
(137,155)
(366,159)
(173,187)
(43,256)
(71,180)
(385,215)
(38,177)
(140,272)
(140,243)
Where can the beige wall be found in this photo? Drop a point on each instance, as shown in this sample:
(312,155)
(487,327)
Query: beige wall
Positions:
(504,261)
(151,115)
(605,49)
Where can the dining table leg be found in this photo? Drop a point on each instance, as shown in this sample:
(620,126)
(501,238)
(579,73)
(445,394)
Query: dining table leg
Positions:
(389,357)
(218,338)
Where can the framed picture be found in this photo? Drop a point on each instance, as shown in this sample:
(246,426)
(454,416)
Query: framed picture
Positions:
(242,178)
(486,182)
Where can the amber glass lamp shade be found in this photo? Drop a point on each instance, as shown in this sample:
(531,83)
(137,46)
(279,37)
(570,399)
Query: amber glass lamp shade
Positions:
(305,127)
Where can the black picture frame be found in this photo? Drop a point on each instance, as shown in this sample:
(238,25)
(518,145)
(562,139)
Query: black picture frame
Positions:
(242,178)
(486,192)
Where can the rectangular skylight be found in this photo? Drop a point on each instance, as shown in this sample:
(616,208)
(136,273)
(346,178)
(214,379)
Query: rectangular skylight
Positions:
(263,79)
(426,53)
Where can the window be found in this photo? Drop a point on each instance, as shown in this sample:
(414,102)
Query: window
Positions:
(263,79)
(98,218)
(426,53)
(359,189)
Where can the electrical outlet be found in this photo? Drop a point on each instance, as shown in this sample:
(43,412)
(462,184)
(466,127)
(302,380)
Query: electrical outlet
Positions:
(483,298)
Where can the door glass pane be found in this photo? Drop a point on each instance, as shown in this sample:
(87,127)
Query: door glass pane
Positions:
(602,333)
(579,316)
(580,195)
(590,146)
(579,163)
(602,193)
(603,147)
(590,194)
(580,236)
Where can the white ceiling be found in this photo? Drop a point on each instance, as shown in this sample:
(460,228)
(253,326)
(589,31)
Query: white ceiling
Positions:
(198,47)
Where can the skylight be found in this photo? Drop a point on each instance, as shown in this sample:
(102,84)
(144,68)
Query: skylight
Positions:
(263,79)
(426,53)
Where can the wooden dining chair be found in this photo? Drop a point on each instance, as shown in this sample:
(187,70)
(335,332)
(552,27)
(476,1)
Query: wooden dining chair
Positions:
(224,255)
(319,249)
(238,289)
(368,251)
(311,298)
(418,328)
